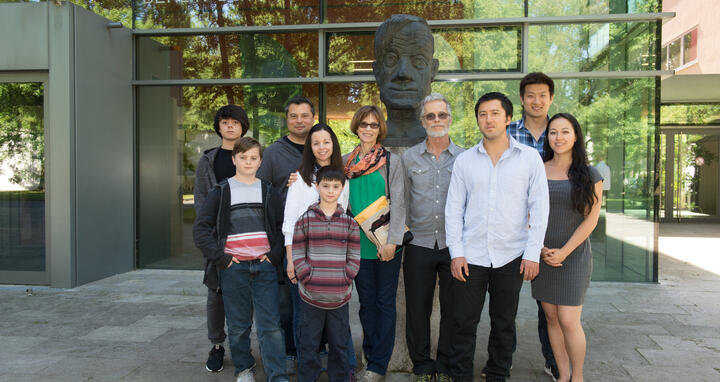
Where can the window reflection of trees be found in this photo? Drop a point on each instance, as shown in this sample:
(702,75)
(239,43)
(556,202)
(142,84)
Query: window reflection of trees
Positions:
(22,145)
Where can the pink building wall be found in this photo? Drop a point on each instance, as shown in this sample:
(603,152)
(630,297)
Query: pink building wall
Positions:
(705,15)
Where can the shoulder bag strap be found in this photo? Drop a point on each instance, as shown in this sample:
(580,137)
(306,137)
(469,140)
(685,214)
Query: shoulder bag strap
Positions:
(387,179)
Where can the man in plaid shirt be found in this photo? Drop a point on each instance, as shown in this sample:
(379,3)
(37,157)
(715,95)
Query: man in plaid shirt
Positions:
(537,92)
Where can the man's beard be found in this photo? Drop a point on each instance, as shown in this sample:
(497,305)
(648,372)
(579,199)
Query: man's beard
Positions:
(437,134)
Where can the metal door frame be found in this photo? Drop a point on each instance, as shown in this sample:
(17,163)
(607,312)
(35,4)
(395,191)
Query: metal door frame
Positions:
(33,277)
(670,132)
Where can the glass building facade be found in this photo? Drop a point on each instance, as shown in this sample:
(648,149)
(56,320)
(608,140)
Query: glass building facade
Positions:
(193,56)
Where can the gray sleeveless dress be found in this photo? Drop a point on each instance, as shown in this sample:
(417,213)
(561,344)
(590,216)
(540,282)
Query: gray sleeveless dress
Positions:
(564,285)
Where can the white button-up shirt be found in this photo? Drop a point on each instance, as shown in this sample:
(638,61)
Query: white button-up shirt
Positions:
(495,214)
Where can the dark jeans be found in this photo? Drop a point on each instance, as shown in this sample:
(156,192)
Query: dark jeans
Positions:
(288,308)
(421,268)
(376,285)
(503,284)
(252,286)
(297,319)
(334,323)
(292,327)
(215,317)
(544,339)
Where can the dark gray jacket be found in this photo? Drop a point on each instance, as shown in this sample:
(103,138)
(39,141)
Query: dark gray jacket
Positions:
(397,197)
(212,227)
(204,177)
(280,159)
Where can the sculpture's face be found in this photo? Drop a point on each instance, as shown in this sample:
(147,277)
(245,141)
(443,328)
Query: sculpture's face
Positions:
(406,68)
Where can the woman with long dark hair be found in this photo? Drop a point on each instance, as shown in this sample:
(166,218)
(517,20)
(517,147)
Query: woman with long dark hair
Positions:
(321,149)
(374,172)
(566,266)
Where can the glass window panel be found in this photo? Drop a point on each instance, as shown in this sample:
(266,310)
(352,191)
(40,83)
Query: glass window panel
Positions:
(175,127)
(227,56)
(697,114)
(674,59)
(158,14)
(618,121)
(690,46)
(22,177)
(664,58)
(457,50)
(352,11)
(591,47)
(594,7)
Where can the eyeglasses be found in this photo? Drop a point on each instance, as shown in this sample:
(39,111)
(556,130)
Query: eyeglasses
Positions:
(365,125)
(431,116)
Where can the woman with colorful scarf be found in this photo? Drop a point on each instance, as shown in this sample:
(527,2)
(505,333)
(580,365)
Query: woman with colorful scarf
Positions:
(367,169)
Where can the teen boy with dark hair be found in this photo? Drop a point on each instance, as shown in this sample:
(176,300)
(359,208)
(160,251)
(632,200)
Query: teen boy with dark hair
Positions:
(231,122)
(238,231)
(326,255)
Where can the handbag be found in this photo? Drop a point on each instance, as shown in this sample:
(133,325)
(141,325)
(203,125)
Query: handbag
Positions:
(374,220)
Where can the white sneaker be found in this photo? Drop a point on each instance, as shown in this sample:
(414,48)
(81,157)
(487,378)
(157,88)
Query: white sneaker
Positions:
(246,375)
(371,376)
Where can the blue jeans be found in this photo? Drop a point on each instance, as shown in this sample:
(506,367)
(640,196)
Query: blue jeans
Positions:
(247,285)
(376,285)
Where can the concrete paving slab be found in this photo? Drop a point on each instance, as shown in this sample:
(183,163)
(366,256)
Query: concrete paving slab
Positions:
(151,325)
(23,364)
(676,373)
(19,343)
(174,322)
(95,369)
(132,333)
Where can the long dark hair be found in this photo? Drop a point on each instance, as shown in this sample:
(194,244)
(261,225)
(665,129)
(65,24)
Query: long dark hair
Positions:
(307,165)
(583,192)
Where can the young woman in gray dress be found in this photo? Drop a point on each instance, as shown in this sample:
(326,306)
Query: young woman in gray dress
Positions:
(566,266)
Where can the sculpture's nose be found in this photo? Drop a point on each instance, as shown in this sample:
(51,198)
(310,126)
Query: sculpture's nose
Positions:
(403,73)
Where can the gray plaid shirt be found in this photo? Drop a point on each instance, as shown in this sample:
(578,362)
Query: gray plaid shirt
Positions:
(426,186)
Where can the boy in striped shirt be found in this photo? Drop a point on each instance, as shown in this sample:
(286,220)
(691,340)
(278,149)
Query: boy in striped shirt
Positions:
(237,229)
(326,255)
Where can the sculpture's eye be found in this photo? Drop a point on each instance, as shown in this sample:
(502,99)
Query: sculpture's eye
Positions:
(391,59)
(419,61)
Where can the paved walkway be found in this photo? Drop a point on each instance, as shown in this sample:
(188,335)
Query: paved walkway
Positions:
(149,325)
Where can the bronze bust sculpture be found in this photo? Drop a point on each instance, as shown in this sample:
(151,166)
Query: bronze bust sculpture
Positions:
(404,67)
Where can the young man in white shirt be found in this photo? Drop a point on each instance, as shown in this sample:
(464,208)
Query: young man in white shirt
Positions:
(495,220)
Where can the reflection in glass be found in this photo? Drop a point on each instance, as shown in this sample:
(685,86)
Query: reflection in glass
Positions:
(457,50)
(618,117)
(695,114)
(159,14)
(592,47)
(22,177)
(674,49)
(690,46)
(353,11)
(696,184)
(594,7)
(174,129)
(228,56)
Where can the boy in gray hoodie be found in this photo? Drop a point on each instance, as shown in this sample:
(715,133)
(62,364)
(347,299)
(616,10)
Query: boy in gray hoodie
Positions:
(231,123)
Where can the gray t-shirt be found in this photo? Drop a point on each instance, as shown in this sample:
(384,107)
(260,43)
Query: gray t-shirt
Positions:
(245,193)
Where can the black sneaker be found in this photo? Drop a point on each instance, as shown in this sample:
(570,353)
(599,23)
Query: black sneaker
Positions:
(552,371)
(215,359)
